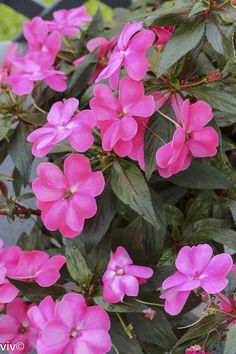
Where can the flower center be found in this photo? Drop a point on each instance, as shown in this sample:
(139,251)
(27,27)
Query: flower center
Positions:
(122,53)
(120,271)
(121,115)
(195,277)
(62,128)
(68,195)
(74,333)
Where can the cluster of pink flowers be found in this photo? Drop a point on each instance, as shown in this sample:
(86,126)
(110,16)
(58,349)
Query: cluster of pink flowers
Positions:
(44,43)
(26,266)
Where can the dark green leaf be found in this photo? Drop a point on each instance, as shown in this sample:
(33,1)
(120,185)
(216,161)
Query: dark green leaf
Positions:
(222,39)
(230,344)
(199,7)
(5,125)
(130,186)
(128,305)
(77,266)
(185,38)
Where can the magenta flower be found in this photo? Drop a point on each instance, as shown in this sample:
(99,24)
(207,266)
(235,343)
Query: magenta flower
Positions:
(115,117)
(39,42)
(37,266)
(195,268)
(191,139)
(7,67)
(8,292)
(67,200)
(62,124)
(72,327)
(34,67)
(163,33)
(15,327)
(196,349)
(137,152)
(105,48)
(67,22)
(131,52)
(122,277)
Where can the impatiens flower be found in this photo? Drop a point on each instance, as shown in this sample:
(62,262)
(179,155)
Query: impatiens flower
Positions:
(227,305)
(131,52)
(35,68)
(7,67)
(37,266)
(74,328)
(8,292)
(137,152)
(67,200)
(191,139)
(195,268)
(64,123)
(39,42)
(15,327)
(116,117)
(67,22)
(122,277)
(163,33)
(196,349)
(105,47)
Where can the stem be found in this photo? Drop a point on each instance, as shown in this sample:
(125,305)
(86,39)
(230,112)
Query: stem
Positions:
(170,119)
(22,212)
(35,104)
(149,303)
(107,166)
(157,136)
(192,324)
(219,7)
(125,328)
(116,350)
(221,311)
(194,84)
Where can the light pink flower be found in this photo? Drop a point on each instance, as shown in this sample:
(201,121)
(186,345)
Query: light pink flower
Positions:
(73,328)
(37,266)
(191,139)
(34,67)
(67,22)
(115,117)
(15,327)
(163,33)
(131,52)
(7,67)
(8,292)
(196,349)
(105,48)
(195,268)
(122,277)
(39,42)
(64,123)
(67,200)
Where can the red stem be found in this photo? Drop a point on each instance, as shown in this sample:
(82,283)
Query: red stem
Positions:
(22,212)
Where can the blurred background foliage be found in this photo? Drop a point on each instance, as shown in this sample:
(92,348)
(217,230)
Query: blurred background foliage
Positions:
(11,21)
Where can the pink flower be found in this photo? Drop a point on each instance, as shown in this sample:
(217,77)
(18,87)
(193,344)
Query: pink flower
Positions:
(196,349)
(34,67)
(131,52)
(67,22)
(73,328)
(149,313)
(115,117)
(7,67)
(62,124)
(122,277)
(37,266)
(196,269)
(191,139)
(15,327)
(137,152)
(36,34)
(105,47)
(163,33)
(8,292)
(67,200)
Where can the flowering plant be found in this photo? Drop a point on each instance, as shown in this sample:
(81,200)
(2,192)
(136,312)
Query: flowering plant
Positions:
(122,137)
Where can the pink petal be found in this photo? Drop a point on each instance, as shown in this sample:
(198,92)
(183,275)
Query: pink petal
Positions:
(201,114)
(163,155)
(23,87)
(8,292)
(8,328)
(65,313)
(98,339)
(84,204)
(204,142)
(96,43)
(96,318)
(175,301)
(136,65)
(104,104)
(141,42)
(129,284)
(53,217)
(61,112)
(128,128)
(129,30)
(76,167)
(123,148)
(139,271)
(55,333)
(74,220)
(120,258)
(56,82)
(115,62)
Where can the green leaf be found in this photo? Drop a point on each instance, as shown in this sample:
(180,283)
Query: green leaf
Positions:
(201,175)
(209,327)
(96,227)
(130,186)
(230,344)
(169,14)
(159,130)
(185,38)
(232,207)
(38,118)
(77,266)
(128,305)
(17,181)
(158,331)
(5,125)
(216,97)
(20,151)
(222,39)
(199,7)
(81,75)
